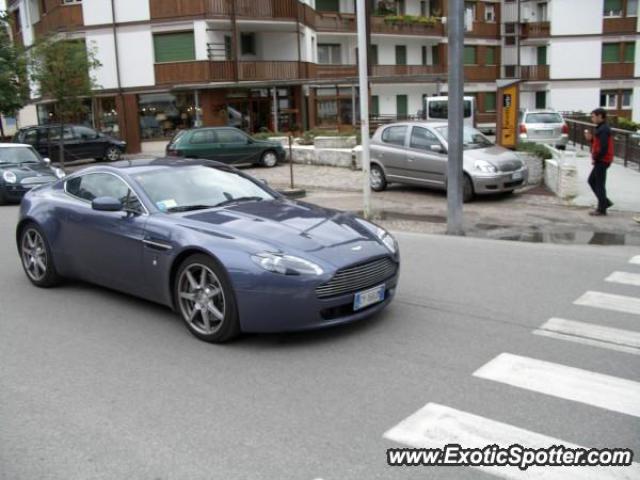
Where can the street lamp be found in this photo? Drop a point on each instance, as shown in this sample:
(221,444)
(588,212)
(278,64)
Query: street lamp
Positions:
(363,81)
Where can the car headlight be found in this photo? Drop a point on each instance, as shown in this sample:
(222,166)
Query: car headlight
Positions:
(286,264)
(484,166)
(59,172)
(9,177)
(385,237)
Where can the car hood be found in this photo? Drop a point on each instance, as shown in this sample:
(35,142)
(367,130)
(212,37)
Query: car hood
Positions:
(334,237)
(503,159)
(29,170)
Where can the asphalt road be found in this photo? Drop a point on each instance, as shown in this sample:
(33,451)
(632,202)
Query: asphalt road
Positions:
(99,385)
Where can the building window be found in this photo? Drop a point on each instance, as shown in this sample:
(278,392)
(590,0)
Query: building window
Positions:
(609,100)
(490,102)
(470,55)
(247,43)
(423,9)
(328,5)
(401,55)
(470,10)
(401,8)
(612,8)
(107,116)
(425,57)
(329,54)
(174,47)
(629,52)
(632,8)
(163,114)
(510,71)
(375,106)
(402,106)
(435,54)
(510,41)
(542,12)
(627,99)
(491,56)
(70,2)
(541,99)
(610,52)
(510,28)
(489,13)
(542,55)
(374,54)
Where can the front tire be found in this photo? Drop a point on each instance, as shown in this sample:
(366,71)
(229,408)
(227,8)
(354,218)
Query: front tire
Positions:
(204,299)
(36,257)
(269,159)
(377,180)
(467,189)
(112,154)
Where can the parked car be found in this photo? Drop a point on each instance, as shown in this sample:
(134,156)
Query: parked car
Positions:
(543,126)
(79,142)
(226,145)
(416,153)
(21,169)
(224,250)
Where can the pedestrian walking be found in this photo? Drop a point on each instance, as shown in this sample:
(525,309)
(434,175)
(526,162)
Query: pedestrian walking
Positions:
(601,159)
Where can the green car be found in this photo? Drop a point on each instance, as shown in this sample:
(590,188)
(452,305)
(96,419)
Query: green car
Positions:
(225,144)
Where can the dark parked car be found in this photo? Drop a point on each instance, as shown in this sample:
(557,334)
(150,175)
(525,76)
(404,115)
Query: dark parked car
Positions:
(224,250)
(79,142)
(21,169)
(226,145)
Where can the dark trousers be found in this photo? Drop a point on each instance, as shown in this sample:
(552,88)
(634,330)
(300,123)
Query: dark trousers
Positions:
(597,182)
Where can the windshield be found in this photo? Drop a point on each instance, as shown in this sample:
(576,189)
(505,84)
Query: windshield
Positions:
(18,155)
(439,109)
(471,138)
(544,118)
(196,187)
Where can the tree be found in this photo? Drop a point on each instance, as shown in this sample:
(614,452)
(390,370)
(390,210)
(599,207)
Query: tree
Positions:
(14,87)
(62,70)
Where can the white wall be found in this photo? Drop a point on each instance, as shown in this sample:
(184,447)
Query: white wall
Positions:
(387,50)
(387,96)
(573,97)
(527,100)
(575,58)
(102,41)
(528,55)
(136,64)
(28,116)
(201,38)
(571,17)
(636,104)
(637,67)
(98,12)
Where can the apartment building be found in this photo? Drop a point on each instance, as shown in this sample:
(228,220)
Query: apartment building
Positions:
(282,64)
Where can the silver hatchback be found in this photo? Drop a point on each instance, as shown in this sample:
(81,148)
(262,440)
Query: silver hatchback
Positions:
(416,153)
(543,126)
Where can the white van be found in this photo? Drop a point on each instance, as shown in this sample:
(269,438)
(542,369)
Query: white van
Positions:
(436,109)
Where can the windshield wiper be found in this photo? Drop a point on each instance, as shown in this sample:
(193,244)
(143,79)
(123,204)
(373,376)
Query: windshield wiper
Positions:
(238,200)
(188,208)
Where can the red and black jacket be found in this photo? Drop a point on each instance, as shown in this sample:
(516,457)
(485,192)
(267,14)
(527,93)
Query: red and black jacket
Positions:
(602,145)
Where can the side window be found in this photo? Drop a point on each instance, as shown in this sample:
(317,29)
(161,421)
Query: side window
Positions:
(30,136)
(54,133)
(203,136)
(85,133)
(231,136)
(94,185)
(423,139)
(394,135)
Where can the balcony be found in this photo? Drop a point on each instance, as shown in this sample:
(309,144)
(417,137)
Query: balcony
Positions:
(203,71)
(324,71)
(346,23)
(619,25)
(59,19)
(406,71)
(536,30)
(481,73)
(484,30)
(617,70)
(534,73)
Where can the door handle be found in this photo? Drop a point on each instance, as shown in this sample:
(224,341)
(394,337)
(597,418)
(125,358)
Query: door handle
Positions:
(411,159)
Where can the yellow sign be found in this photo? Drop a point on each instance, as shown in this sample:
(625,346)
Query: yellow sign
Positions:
(508,116)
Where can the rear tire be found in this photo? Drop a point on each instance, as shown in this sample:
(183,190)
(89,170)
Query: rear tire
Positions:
(377,180)
(269,159)
(112,154)
(205,300)
(467,189)
(36,258)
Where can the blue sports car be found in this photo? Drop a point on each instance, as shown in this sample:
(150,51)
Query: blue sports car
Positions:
(224,250)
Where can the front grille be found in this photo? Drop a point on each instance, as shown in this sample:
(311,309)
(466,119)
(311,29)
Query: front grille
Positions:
(358,277)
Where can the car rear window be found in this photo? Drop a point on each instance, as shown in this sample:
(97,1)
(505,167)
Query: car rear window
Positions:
(543,118)
(177,137)
(394,135)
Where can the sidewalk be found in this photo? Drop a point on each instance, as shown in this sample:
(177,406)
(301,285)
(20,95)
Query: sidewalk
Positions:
(623,187)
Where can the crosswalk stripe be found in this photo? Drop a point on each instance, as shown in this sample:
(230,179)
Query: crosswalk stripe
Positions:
(625,278)
(635,260)
(626,341)
(570,383)
(435,425)
(608,301)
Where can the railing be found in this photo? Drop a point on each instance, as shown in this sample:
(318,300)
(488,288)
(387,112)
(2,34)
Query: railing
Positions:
(406,70)
(59,18)
(335,71)
(536,30)
(619,25)
(626,144)
(617,70)
(485,29)
(534,72)
(280,9)
(481,73)
(265,70)
(335,22)
(380,25)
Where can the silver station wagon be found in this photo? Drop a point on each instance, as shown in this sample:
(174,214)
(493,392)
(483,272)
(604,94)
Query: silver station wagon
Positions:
(416,153)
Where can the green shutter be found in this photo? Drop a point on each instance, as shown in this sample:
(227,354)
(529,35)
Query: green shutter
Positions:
(541,99)
(375,105)
(435,52)
(402,106)
(542,55)
(491,56)
(328,5)
(630,52)
(401,55)
(610,52)
(470,55)
(490,102)
(174,47)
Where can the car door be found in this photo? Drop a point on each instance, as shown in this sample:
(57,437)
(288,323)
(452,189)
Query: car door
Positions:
(426,157)
(235,146)
(105,247)
(90,143)
(390,151)
(71,144)
(202,143)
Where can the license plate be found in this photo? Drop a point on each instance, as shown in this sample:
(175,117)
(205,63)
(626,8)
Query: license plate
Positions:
(517,176)
(368,297)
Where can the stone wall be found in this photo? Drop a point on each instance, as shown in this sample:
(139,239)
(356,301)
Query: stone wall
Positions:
(561,178)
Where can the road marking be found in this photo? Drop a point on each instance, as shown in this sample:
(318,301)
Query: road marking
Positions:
(635,260)
(608,301)
(591,388)
(625,278)
(434,426)
(626,341)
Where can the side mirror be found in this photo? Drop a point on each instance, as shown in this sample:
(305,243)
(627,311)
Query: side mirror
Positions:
(437,148)
(47,161)
(264,181)
(107,204)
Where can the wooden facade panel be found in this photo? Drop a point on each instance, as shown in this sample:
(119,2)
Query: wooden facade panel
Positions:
(534,72)
(182,72)
(59,18)
(619,25)
(617,70)
(536,30)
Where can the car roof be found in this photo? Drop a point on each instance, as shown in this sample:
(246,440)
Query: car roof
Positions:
(6,145)
(417,123)
(154,163)
(541,111)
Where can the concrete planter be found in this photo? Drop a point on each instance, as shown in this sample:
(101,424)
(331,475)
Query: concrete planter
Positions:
(335,142)
(535,165)
(561,178)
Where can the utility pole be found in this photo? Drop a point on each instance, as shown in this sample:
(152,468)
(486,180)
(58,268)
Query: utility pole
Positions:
(364,104)
(455,23)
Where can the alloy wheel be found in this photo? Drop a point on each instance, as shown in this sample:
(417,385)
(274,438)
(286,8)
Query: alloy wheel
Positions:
(112,154)
(375,178)
(269,159)
(201,298)
(34,255)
